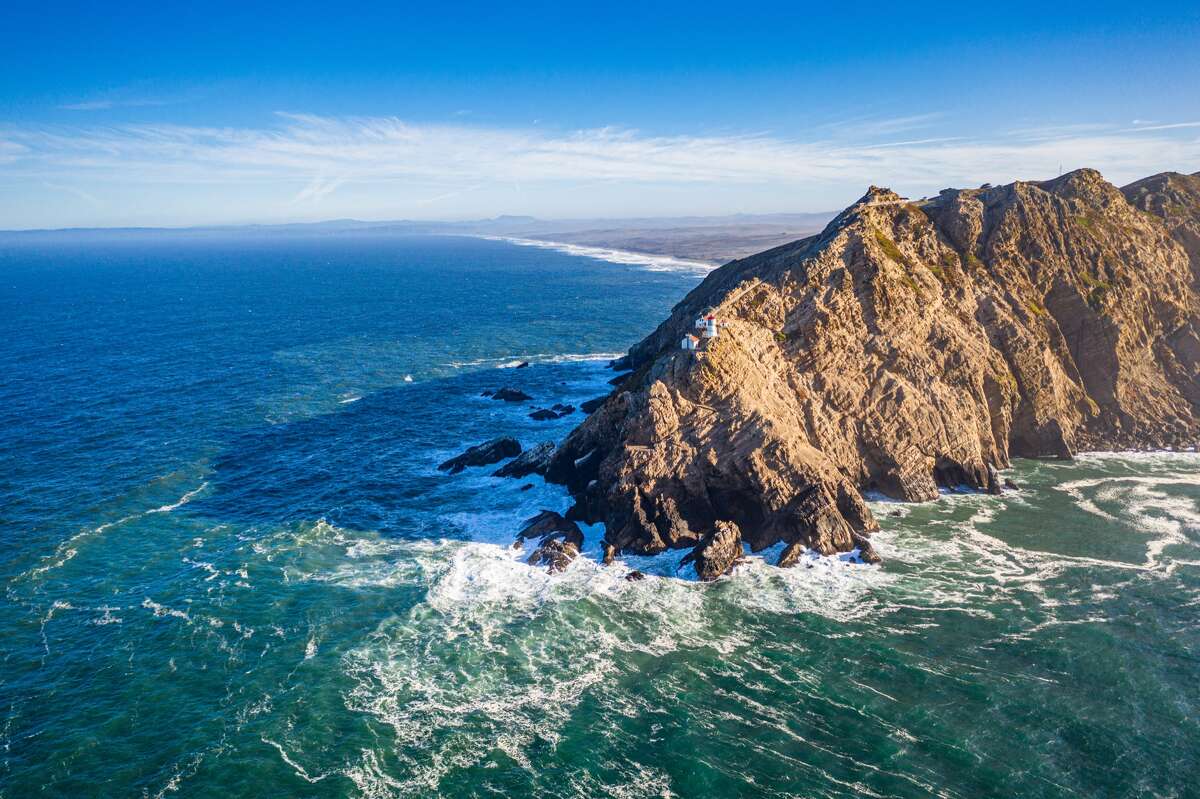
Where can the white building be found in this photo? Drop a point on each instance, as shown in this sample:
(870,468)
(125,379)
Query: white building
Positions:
(690,342)
(708,324)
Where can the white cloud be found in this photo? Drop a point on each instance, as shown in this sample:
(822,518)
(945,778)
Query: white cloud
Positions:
(107,103)
(86,196)
(345,165)
(90,105)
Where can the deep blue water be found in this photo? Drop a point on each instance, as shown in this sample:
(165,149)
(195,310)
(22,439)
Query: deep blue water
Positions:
(231,567)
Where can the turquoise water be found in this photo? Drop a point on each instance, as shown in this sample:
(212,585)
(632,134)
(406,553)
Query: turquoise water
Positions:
(231,567)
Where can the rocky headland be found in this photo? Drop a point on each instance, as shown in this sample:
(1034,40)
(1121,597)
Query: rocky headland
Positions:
(911,346)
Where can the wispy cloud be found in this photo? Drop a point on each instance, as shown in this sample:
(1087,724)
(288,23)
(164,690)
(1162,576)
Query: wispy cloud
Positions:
(106,104)
(311,158)
(318,189)
(1172,126)
(75,191)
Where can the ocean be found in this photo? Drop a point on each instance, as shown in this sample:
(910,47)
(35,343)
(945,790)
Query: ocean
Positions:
(231,567)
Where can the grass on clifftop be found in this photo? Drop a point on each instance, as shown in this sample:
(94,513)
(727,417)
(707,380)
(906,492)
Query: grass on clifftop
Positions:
(891,250)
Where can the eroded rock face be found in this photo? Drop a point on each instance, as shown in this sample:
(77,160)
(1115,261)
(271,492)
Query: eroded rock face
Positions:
(718,551)
(908,346)
(532,461)
(483,454)
(1175,198)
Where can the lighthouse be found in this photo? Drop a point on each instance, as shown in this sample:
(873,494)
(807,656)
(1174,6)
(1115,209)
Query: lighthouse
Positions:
(709,326)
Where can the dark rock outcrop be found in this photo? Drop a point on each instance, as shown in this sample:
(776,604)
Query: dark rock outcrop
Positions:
(590,406)
(534,460)
(620,364)
(559,540)
(483,454)
(557,411)
(910,345)
(718,551)
(510,395)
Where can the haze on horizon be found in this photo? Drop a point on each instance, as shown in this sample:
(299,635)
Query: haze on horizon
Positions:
(148,115)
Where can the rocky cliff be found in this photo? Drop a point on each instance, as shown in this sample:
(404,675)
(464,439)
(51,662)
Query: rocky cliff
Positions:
(1175,199)
(907,347)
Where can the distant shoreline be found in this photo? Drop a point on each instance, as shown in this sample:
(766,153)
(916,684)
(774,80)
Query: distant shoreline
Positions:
(655,262)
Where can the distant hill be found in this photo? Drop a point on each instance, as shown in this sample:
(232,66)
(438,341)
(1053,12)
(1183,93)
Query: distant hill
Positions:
(715,240)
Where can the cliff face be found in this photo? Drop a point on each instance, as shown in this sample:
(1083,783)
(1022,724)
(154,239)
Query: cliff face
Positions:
(906,347)
(1174,198)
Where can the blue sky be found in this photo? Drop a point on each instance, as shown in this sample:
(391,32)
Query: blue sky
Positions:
(166,114)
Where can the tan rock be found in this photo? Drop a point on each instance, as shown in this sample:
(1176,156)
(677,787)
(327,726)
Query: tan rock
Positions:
(909,346)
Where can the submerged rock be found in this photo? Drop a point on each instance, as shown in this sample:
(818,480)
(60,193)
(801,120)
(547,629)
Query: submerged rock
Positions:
(718,551)
(534,460)
(556,411)
(522,365)
(510,395)
(482,454)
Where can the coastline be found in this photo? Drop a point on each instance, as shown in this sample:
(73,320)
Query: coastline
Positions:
(654,262)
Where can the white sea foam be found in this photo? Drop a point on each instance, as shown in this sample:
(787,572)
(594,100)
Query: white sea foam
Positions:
(69,548)
(107,618)
(539,642)
(296,767)
(513,361)
(653,263)
(162,611)
(179,503)
(1140,503)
